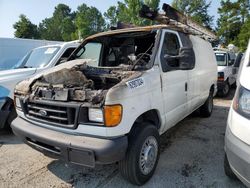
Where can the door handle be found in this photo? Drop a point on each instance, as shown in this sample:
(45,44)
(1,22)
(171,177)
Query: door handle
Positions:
(186,86)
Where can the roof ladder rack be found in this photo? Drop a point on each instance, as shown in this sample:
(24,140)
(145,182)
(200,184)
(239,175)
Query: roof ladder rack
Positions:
(173,17)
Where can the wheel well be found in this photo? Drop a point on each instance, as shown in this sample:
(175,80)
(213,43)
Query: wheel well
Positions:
(150,116)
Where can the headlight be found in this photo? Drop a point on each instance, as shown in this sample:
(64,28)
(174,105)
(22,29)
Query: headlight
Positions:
(220,76)
(241,102)
(109,115)
(17,102)
(95,115)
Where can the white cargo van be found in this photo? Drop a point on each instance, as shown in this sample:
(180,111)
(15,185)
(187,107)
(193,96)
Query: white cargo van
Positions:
(37,60)
(118,93)
(13,49)
(226,74)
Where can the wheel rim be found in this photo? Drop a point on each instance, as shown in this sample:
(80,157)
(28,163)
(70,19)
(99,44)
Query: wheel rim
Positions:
(226,89)
(148,155)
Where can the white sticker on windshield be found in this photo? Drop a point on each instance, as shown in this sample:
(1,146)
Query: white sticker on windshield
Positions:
(136,83)
(50,51)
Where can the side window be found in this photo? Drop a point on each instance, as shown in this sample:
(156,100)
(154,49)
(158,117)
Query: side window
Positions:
(170,47)
(65,56)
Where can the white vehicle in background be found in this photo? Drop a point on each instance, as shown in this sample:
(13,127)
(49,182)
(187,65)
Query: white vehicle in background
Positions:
(226,75)
(237,139)
(13,49)
(37,60)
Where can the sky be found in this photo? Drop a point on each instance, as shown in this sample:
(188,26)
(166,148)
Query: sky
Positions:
(36,11)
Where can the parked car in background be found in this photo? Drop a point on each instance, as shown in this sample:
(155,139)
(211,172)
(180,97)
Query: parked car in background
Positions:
(226,76)
(237,139)
(13,49)
(36,61)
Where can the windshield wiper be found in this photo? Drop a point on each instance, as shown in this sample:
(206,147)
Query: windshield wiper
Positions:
(25,66)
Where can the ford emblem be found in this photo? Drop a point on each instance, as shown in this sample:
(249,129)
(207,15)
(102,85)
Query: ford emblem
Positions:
(42,113)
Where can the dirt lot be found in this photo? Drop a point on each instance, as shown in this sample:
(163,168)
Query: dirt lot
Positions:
(191,156)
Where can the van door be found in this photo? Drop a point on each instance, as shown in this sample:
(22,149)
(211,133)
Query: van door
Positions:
(174,81)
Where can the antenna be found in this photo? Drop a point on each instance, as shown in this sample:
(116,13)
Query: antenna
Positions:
(173,17)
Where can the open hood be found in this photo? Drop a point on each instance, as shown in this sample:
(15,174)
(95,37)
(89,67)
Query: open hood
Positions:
(74,81)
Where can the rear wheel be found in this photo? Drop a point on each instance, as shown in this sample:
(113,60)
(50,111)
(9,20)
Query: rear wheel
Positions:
(142,156)
(225,90)
(207,108)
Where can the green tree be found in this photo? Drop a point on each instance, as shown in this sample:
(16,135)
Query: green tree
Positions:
(25,29)
(244,7)
(60,26)
(128,12)
(197,10)
(89,20)
(232,17)
(244,36)
(111,16)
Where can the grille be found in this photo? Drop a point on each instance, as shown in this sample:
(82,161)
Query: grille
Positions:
(53,114)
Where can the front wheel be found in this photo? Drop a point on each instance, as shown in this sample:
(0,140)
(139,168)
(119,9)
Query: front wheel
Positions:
(142,156)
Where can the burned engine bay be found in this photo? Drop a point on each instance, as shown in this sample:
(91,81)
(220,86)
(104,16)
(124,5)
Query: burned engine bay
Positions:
(123,57)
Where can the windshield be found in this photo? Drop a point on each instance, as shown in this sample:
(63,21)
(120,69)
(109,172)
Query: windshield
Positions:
(39,57)
(129,50)
(221,59)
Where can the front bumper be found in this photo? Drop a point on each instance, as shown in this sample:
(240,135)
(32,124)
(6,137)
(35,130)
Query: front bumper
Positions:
(238,154)
(82,150)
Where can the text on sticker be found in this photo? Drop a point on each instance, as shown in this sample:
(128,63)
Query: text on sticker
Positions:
(139,82)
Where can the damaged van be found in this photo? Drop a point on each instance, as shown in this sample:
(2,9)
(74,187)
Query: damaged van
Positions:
(118,92)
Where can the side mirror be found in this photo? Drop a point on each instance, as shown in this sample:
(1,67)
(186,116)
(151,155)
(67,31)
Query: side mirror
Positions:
(184,61)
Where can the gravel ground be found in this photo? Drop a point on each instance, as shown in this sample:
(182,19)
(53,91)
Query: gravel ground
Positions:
(191,156)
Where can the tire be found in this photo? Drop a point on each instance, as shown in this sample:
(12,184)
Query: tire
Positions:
(144,140)
(227,169)
(225,91)
(207,108)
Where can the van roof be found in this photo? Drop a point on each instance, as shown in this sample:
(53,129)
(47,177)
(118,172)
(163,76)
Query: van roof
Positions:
(136,29)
